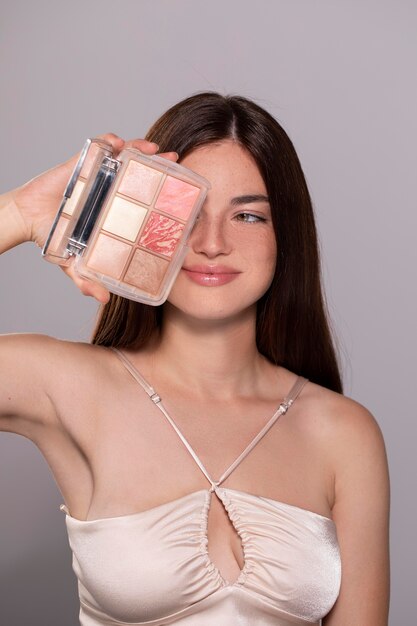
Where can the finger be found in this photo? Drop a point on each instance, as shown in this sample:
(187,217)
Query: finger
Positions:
(94,290)
(147,147)
(171,156)
(116,141)
(118,144)
(150,149)
(88,287)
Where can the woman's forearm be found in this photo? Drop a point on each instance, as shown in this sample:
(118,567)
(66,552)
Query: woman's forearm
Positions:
(12,225)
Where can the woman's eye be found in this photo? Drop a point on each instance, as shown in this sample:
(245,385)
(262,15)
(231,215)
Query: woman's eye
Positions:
(250,217)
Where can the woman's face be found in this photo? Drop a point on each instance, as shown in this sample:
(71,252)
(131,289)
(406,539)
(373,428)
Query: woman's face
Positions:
(232,248)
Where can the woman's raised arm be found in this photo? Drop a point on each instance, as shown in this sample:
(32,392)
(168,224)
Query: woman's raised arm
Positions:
(27,213)
(26,383)
(27,361)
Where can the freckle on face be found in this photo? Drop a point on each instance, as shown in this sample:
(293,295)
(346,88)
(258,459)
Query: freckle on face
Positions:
(249,247)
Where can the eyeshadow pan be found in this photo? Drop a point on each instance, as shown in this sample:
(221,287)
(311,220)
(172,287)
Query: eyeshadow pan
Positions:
(146,271)
(93,150)
(140,182)
(75,196)
(109,256)
(161,234)
(177,197)
(124,218)
(56,241)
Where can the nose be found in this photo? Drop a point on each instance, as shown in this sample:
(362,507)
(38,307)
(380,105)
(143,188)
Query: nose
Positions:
(209,236)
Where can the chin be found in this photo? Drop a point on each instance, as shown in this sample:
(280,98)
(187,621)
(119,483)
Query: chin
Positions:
(212,308)
(229,302)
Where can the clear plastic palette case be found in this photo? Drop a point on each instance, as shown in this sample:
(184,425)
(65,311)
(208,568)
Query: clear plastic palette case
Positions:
(126,220)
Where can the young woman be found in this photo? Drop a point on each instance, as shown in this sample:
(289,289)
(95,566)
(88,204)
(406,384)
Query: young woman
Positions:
(232,491)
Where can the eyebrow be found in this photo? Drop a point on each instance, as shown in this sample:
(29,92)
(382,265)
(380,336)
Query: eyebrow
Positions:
(249,199)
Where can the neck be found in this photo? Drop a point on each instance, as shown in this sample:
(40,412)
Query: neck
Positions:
(206,355)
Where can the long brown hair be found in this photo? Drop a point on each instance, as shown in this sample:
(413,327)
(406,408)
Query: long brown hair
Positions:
(292,328)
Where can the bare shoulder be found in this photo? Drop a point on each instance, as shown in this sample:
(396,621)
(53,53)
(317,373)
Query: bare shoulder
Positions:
(76,371)
(38,345)
(49,357)
(344,425)
(352,449)
(344,436)
(40,374)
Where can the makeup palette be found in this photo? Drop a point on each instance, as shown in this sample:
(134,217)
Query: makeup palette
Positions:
(126,220)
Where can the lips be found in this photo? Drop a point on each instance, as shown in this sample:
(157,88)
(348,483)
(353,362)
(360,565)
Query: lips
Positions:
(210,275)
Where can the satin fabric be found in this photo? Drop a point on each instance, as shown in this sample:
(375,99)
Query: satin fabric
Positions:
(153,567)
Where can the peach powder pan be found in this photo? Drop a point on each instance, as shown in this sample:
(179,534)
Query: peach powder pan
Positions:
(126,220)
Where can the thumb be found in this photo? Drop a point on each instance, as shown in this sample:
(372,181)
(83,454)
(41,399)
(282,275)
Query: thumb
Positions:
(86,286)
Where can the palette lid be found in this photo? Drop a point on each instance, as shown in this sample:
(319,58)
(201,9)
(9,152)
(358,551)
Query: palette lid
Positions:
(92,149)
(92,155)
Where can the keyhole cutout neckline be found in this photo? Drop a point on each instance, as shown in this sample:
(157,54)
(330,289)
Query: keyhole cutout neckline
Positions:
(214,490)
(224,566)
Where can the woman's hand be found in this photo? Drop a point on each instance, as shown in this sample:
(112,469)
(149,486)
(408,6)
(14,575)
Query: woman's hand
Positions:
(37,202)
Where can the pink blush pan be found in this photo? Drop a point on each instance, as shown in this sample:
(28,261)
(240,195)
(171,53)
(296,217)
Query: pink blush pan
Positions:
(177,197)
(161,234)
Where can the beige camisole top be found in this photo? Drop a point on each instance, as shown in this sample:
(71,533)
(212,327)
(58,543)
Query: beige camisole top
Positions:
(153,567)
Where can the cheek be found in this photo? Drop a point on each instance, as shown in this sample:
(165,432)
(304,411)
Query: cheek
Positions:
(264,251)
(261,258)
(268,273)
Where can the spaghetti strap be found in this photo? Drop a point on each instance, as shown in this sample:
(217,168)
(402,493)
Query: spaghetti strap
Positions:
(281,410)
(158,402)
(137,376)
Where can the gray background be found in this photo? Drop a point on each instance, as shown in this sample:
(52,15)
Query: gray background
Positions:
(340,76)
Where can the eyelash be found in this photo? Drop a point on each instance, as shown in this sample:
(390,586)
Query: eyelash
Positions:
(256,218)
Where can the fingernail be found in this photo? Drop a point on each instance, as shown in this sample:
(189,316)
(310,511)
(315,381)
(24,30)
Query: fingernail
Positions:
(154,145)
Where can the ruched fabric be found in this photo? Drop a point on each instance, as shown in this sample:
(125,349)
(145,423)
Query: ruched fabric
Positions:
(153,567)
